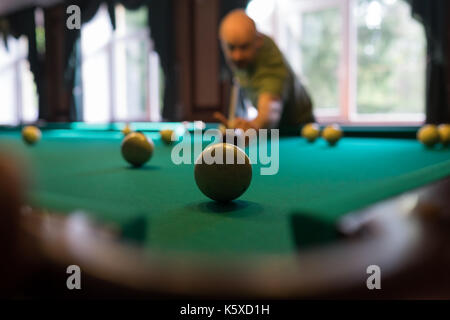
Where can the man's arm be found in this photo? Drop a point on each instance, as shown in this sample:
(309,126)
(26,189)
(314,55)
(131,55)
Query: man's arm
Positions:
(269,111)
(269,114)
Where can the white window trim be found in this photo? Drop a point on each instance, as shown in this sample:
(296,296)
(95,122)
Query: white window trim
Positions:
(117,40)
(347,111)
(15,64)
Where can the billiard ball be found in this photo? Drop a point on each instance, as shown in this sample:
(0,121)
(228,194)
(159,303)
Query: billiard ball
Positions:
(126,130)
(222,180)
(332,134)
(185,125)
(230,135)
(31,134)
(166,136)
(428,135)
(238,137)
(310,132)
(222,129)
(137,148)
(444,133)
(199,125)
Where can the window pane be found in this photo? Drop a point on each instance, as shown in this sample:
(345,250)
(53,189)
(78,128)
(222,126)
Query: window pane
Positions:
(96,100)
(131,64)
(132,82)
(8,114)
(156,86)
(28,87)
(95,36)
(261,11)
(29,93)
(391,58)
(320,47)
(17,86)
(137,71)
(116,69)
(136,19)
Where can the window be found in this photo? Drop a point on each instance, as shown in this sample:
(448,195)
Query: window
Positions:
(363,61)
(17,88)
(120,70)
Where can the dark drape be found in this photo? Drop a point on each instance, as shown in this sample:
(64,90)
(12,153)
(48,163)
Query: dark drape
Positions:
(22,24)
(72,53)
(434,16)
(161,20)
(160,24)
(229,5)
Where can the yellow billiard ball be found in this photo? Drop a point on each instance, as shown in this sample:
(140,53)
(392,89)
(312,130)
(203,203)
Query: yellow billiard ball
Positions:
(222,129)
(444,133)
(31,134)
(219,179)
(137,148)
(428,135)
(166,136)
(126,130)
(332,134)
(311,131)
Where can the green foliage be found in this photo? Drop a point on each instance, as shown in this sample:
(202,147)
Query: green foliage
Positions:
(137,60)
(136,19)
(40,39)
(390,51)
(391,60)
(321,47)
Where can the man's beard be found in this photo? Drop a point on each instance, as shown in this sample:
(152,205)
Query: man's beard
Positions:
(240,66)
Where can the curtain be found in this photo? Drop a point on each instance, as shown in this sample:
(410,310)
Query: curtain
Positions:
(160,21)
(433,15)
(22,24)
(161,24)
(72,56)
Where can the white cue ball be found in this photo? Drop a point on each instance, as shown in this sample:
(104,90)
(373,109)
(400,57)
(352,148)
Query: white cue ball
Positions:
(224,181)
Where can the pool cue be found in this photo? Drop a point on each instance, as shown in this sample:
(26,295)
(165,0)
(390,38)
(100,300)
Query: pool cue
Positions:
(233,102)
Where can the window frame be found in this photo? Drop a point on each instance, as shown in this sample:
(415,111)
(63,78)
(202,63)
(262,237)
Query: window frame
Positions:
(116,42)
(347,71)
(15,64)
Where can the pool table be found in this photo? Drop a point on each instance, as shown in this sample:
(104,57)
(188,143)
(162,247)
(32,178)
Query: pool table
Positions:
(378,197)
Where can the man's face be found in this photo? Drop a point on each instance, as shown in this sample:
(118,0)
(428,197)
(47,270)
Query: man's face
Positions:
(240,53)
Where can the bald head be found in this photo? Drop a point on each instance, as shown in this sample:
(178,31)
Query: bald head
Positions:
(237,26)
(239,38)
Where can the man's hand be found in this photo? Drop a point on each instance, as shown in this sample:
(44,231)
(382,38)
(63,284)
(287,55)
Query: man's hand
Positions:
(269,113)
(237,123)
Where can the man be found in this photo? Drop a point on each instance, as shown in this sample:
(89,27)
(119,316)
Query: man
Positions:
(263,75)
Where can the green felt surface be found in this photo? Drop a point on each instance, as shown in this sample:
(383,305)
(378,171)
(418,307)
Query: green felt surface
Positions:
(160,207)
